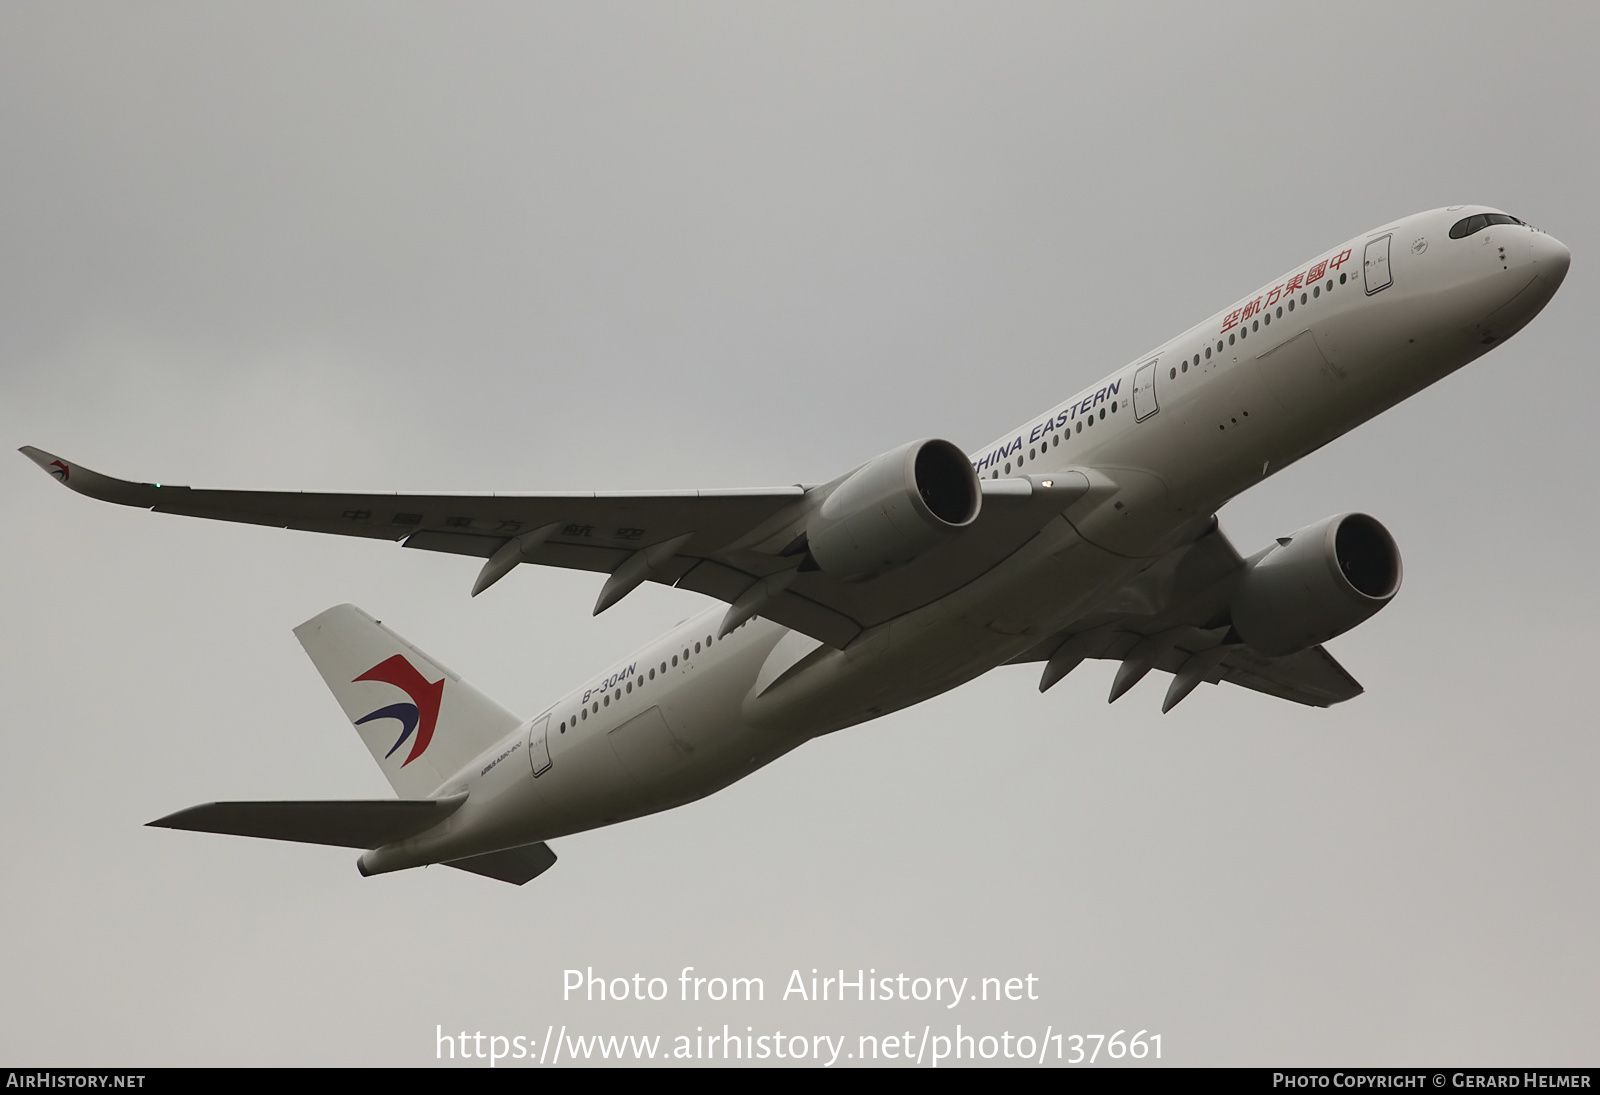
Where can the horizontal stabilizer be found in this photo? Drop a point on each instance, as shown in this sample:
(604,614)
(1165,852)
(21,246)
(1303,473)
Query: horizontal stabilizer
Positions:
(358,824)
(514,865)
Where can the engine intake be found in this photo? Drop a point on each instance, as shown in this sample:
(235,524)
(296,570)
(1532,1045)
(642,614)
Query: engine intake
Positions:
(1319,583)
(892,509)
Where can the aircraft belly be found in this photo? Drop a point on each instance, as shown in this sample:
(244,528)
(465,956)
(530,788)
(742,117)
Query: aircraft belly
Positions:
(693,740)
(1046,585)
(639,767)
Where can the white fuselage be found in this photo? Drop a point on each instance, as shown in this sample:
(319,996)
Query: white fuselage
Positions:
(1179,431)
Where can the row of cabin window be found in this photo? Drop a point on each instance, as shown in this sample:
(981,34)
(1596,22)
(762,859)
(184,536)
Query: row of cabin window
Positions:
(605,701)
(1255,325)
(1053,441)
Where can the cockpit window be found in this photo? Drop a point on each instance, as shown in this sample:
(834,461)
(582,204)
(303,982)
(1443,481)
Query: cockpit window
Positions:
(1466,226)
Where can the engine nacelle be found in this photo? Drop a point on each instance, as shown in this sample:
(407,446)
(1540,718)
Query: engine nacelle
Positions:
(893,509)
(1324,580)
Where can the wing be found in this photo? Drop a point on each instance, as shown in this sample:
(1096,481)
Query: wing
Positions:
(734,545)
(1174,617)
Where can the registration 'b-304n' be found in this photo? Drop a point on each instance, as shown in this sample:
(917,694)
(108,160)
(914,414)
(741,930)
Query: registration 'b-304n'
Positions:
(1088,532)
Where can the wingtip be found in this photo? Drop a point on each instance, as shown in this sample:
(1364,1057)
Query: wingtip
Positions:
(78,478)
(44,459)
(57,468)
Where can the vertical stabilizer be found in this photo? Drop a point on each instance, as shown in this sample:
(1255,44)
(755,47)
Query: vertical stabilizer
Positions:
(420,721)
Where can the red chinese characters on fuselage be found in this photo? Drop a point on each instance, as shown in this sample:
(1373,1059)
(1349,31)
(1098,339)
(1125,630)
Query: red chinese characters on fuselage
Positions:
(1301,281)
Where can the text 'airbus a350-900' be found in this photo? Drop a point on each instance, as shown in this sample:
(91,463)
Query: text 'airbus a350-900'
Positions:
(1087,532)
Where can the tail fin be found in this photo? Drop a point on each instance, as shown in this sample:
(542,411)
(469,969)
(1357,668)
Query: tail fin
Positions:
(420,721)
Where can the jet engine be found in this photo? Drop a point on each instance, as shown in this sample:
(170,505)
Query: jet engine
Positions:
(892,509)
(1318,583)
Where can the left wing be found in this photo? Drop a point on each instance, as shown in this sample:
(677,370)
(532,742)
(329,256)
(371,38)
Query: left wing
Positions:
(1174,617)
(734,545)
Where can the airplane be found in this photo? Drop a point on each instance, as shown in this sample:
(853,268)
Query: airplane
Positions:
(1087,532)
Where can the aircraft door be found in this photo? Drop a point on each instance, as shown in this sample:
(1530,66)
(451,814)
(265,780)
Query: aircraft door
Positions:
(1144,392)
(539,746)
(1375,265)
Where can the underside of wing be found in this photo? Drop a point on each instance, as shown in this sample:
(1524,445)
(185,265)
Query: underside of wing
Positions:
(745,547)
(591,531)
(597,532)
(1174,617)
(1311,677)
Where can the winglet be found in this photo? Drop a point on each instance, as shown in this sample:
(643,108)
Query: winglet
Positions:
(93,484)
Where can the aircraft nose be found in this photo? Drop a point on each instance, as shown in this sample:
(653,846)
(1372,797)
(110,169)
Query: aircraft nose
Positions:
(1551,258)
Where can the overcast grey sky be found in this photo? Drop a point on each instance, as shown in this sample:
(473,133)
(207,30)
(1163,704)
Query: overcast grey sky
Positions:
(592,246)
